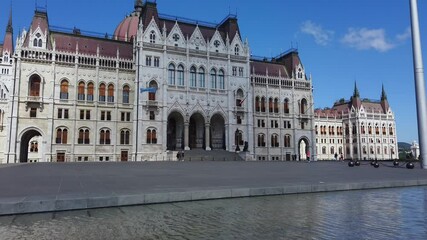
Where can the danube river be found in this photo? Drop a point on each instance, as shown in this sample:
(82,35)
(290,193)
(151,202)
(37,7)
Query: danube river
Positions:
(399,213)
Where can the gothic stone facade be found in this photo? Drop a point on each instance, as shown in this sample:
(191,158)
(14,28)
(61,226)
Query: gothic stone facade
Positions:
(159,85)
(357,129)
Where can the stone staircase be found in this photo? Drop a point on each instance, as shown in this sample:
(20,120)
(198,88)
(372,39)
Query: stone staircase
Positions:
(214,155)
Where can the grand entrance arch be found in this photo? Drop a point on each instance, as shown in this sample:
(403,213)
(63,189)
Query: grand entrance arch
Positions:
(25,144)
(304,149)
(175,131)
(197,131)
(217,132)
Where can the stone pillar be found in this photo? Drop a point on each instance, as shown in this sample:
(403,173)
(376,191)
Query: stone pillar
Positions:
(207,137)
(186,136)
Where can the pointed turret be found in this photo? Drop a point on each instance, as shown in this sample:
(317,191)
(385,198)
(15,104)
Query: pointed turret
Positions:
(138,5)
(384,101)
(8,38)
(355,99)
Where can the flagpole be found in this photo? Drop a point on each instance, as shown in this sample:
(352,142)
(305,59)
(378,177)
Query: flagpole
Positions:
(419,83)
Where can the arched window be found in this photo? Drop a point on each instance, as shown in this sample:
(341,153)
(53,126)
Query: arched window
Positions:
(332,150)
(213,79)
(125,137)
(286,106)
(384,130)
(340,150)
(102,89)
(126,91)
(193,79)
(364,150)
(152,94)
(372,150)
(316,129)
(263,104)
(104,137)
(270,105)
(385,150)
(90,91)
(362,129)
(171,74)
(64,90)
(40,43)
(83,136)
(287,143)
(35,82)
(239,97)
(378,150)
(181,75)
(377,129)
(237,50)
(257,104)
(35,42)
(276,105)
(151,136)
(390,130)
(274,141)
(81,91)
(369,129)
(202,83)
(303,106)
(61,136)
(261,140)
(152,37)
(323,150)
(110,98)
(221,79)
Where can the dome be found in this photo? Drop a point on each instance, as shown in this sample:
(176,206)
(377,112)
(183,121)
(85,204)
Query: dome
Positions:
(128,28)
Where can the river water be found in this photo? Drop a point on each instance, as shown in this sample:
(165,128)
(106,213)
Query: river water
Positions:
(399,213)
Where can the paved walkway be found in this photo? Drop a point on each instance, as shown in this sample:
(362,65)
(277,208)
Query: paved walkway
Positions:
(55,187)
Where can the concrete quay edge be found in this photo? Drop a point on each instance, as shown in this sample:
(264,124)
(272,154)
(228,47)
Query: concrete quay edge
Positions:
(40,204)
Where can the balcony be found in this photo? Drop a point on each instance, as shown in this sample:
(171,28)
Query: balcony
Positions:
(239,109)
(150,104)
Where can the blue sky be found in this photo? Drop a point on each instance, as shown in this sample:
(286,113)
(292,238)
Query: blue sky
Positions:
(340,42)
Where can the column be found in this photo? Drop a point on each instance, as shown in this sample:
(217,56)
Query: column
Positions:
(186,135)
(207,137)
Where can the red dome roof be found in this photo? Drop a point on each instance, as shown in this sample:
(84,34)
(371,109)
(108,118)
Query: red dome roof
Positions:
(128,28)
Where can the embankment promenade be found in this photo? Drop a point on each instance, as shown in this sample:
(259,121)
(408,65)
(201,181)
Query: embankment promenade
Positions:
(31,188)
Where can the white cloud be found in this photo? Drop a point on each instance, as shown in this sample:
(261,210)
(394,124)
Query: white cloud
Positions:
(321,36)
(365,39)
(406,35)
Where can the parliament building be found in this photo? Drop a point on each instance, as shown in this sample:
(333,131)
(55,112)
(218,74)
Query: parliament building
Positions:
(160,84)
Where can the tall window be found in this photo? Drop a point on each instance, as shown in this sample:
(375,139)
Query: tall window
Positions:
(152,95)
(303,106)
(239,97)
(274,140)
(152,37)
(193,80)
(276,105)
(104,137)
(202,78)
(270,105)
(61,136)
(126,91)
(83,136)
(390,130)
(221,79)
(35,82)
(125,137)
(102,89)
(287,143)
(263,104)
(90,91)
(213,79)
(64,90)
(261,140)
(171,74)
(236,50)
(81,91)
(238,139)
(34,147)
(257,104)
(181,75)
(151,136)
(286,106)
(110,98)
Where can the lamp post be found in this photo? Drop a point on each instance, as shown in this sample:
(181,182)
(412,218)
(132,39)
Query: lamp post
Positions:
(419,83)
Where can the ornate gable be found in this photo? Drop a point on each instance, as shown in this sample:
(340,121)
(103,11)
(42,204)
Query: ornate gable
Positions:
(217,44)
(176,37)
(152,33)
(197,41)
(237,47)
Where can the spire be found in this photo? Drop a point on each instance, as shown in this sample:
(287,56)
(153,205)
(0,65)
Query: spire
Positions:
(9,28)
(356,91)
(383,94)
(138,5)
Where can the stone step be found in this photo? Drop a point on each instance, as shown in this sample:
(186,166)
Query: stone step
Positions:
(214,155)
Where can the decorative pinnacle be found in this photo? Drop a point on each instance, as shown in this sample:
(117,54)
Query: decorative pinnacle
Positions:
(356,91)
(9,24)
(383,94)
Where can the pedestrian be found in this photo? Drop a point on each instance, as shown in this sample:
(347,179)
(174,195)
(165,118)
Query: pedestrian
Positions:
(308,155)
(336,156)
